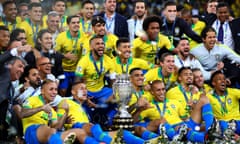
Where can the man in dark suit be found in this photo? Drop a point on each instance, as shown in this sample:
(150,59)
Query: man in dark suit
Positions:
(234,26)
(115,23)
(11,68)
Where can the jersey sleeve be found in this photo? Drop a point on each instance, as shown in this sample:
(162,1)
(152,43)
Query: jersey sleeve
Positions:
(148,77)
(58,43)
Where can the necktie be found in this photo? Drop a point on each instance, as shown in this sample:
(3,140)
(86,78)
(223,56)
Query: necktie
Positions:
(220,33)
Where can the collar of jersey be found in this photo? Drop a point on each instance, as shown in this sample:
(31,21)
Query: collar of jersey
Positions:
(69,34)
(4,18)
(41,98)
(155,102)
(157,40)
(92,59)
(130,59)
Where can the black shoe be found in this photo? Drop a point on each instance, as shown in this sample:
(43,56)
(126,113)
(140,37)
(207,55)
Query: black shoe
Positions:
(213,133)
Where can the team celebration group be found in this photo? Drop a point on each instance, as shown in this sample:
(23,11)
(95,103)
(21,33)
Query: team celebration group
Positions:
(57,73)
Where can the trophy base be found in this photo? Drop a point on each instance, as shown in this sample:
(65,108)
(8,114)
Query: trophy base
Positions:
(123,123)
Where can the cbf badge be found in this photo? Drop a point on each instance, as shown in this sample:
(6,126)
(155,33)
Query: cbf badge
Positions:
(173,106)
(229,100)
(177,30)
(79,69)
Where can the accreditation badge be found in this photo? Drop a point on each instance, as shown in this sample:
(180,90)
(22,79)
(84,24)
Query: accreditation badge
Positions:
(177,30)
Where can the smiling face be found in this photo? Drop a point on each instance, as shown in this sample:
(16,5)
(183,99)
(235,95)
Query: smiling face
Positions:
(16,69)
(158,91)
(33,78)
(110,5)
(99,29)
(46,41)
(223,14)
(10,12)
(35,14)
(184,47)
(186,77)
(168,64)
(137,78)
(219,83)
(53,23)
(210,40)
(170,13)
(125,50)
(4,39)
(74,24)
(88,10)
(140,9)
(49,91)
(44,65)
(198,79)
(97,46)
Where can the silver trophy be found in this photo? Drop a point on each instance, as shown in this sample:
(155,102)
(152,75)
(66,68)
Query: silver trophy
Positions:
(122,89)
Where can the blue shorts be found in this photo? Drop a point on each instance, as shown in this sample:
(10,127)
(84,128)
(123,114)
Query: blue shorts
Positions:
(69,79)
(192,124)
(31,134)
(142,124)
(102,95)
(78,125)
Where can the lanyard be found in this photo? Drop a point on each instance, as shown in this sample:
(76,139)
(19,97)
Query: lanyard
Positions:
(222,103)
(75,39)
(161,112)
(135,26)
(180,61)
(6,23)
(83,26)
(185,93)
(139,93)
(62,21)
(75,44)
(34,32)
(170,33)
(99,72)
(122,65)
(163,79)
(109,25)
(34,92)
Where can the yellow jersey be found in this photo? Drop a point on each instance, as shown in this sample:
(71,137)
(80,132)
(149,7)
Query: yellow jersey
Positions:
(109,41)
(85,27)
(94,71)
(226,107)
(156,74)
(179,94)
(31,31)
(132,63)
(147,50)
(41,117)
(76,111)
(66,43)
(170,110)
(9,25)
(197,27)
(207,89)
(136,95)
